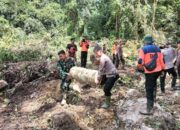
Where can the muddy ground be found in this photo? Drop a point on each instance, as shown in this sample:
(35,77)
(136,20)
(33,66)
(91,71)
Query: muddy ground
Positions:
(36,105)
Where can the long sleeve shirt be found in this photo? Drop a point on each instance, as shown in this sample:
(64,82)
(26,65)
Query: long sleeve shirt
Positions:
(169,55)
(106,67)
(64,67)
(84,45)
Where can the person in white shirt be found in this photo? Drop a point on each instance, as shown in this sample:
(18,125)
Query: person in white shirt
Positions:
(169,55)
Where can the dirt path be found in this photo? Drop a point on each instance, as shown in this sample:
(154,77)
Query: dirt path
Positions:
(32,107)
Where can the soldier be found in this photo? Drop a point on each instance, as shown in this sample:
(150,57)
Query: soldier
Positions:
(64,65)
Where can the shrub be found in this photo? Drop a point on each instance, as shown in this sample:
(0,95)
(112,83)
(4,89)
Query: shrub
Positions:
(7,55)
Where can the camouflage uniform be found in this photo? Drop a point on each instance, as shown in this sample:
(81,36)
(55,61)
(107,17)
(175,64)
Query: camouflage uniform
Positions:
(64,68)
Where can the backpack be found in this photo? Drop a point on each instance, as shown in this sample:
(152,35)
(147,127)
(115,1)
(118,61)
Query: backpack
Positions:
(151,65)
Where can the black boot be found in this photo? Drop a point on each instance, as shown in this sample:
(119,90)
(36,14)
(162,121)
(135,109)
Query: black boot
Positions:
(149,109)
(173,85)
(162,84)
(154,95)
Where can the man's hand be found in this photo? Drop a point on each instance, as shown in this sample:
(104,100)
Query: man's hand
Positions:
(96,81)
(140,68)
(68,77)
(174,61)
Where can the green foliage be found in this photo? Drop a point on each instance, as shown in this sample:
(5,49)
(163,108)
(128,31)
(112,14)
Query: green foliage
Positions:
(50,15)
(19,20)
(24,20)
(33,25)
(129,19)
(5,55)
(4,26)
(8,55)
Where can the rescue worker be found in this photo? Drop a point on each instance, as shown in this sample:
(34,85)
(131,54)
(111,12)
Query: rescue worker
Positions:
(72,48)
(114,51)
(104,48)
(151,60)
(107,74)
(119,55)
(169,55)
(84,44)
(64,65)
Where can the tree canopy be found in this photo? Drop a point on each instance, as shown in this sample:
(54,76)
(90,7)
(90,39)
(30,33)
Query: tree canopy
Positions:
(129,19)
(58,20)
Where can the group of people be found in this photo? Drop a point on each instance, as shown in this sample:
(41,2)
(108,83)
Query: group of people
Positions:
(72,49)
(154,61)
(117,53)
(107,73)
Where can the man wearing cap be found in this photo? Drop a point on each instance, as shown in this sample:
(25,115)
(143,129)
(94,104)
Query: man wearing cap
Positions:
(72,48)
(107,74)
(146,54)
(84,44)
(169,55)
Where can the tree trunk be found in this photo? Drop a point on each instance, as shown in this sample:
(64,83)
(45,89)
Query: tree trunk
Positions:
(154,14)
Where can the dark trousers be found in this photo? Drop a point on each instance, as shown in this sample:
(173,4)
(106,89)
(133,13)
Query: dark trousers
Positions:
(119,60)
(151,87)
(114,58)
(171,71)
(65,85)
(108,83)
(83,58)
(179,71)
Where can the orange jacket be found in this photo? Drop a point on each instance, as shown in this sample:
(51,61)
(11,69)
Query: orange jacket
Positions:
(114,49)
(84,45)
(145,55)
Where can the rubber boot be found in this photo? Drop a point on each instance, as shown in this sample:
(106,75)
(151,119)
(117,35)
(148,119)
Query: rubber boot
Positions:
(173,85)
(106,103)
(63,102)
(149,109)
(162,87)
(162,84)
(154,94)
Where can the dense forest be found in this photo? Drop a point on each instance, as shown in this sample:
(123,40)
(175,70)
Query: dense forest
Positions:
(51,23)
